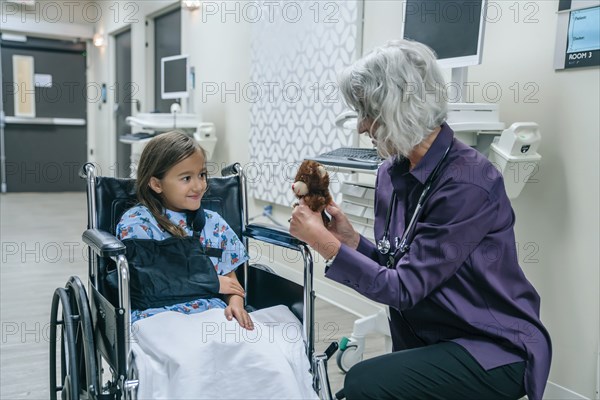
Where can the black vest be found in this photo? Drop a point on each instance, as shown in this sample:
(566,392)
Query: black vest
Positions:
(171,271)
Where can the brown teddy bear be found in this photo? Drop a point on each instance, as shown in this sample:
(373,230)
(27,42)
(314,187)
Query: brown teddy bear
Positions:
(312,184)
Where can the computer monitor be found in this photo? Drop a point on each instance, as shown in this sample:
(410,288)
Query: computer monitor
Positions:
(452,28)
(174,77)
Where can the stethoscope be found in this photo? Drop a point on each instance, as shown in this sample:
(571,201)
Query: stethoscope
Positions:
(402,244)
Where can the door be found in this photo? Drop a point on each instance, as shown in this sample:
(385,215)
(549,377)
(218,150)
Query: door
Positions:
(46,145)
(167,42)
(123,100)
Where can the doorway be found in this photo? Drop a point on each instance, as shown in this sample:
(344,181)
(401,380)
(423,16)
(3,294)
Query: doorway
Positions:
(46,145)
(167,42)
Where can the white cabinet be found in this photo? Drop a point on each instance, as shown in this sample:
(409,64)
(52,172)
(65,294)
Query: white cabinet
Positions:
(358,205)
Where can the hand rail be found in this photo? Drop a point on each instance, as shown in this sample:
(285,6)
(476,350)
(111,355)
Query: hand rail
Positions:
(44,121)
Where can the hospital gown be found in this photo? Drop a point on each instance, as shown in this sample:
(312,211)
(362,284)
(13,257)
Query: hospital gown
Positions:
(138,223)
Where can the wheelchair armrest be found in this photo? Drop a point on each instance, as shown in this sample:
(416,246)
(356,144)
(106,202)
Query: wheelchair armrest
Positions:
(103,243)
(274,235)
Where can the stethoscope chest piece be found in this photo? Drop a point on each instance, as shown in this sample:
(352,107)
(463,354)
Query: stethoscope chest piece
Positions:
(403,244)
(384,246)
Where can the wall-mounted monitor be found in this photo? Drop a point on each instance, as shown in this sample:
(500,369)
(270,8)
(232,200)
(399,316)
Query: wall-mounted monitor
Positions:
(452,28)
(174,72)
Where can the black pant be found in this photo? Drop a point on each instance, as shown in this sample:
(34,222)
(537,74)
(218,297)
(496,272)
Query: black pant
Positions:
(440,371)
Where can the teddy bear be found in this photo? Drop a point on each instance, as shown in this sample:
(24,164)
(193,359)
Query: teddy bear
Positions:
(312,184)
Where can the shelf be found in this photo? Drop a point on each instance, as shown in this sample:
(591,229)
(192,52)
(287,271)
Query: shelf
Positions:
(358,205)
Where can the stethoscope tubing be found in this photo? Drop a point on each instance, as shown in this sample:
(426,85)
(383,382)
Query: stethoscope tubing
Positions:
(384,245)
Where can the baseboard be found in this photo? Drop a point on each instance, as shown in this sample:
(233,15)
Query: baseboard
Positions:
(557,392)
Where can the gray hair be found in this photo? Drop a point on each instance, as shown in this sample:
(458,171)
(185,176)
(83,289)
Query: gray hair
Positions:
(400,87)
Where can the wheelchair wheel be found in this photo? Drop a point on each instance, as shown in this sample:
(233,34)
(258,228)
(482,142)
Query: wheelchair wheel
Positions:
(349,355)
(78,368)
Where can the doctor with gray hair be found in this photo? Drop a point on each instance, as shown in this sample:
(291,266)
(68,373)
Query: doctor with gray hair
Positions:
(464,319)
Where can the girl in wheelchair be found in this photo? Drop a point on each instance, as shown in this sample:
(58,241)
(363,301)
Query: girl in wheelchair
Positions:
(181,257)
(172,179)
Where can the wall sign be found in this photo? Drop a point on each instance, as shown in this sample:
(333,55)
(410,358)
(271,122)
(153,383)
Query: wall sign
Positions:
(24,99)
(578,34)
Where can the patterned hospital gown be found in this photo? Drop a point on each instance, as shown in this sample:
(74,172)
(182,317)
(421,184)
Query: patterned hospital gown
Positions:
(138,223)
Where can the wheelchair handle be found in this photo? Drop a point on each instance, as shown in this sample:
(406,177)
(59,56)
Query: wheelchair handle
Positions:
(232,169)
(85,169)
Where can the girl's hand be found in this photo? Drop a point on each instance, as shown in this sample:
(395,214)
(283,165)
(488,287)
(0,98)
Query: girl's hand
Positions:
(236,310)
(230,285)
(341,227)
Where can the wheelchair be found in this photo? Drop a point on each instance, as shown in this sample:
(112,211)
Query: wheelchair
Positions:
(90,328)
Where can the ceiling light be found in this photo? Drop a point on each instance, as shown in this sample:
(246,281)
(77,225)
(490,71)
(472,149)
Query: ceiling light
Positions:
(98,40)
(191,4)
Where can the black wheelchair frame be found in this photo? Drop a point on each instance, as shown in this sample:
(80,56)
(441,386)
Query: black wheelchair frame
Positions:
(90,329)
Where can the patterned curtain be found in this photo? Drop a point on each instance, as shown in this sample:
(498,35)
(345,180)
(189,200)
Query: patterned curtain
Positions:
(297,53)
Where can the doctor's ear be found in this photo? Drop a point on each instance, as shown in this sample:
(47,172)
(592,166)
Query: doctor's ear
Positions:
(155,185)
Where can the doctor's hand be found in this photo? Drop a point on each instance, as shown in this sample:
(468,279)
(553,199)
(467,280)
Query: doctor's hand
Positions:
(341,227)
(236,310)
(230,285)
(307,225)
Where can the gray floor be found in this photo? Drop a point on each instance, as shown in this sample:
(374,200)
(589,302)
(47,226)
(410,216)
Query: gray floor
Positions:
(41,248)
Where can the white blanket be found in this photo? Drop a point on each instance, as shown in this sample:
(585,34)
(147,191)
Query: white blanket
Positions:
(204,356)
